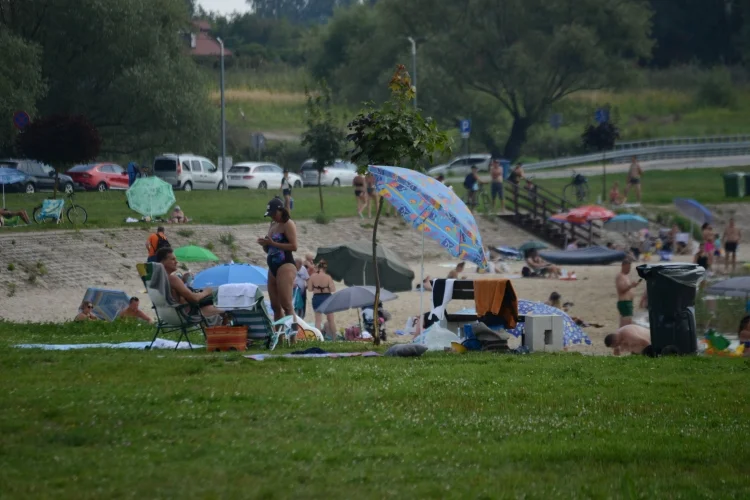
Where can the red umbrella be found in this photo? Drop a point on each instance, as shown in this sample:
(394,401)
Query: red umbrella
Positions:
(590,213)
(565,217)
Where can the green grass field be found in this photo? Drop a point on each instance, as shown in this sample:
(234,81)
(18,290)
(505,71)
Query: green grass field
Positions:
(108,209)
(244,206)
(660,187)
(114,424)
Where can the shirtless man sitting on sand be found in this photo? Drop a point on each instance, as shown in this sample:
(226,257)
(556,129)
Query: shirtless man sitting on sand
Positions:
(625,293)
(629,339)
(731,239)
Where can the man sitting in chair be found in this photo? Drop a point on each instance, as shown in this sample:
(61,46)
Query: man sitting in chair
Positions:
(5,213)
(182,294)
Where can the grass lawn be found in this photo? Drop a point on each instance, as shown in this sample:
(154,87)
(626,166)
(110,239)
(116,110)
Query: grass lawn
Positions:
(112,424)
(661,186)
(244,206)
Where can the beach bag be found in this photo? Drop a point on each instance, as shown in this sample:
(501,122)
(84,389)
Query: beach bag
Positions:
(525,272)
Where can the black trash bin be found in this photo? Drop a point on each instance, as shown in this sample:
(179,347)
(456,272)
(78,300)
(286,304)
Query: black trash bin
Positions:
(671,292)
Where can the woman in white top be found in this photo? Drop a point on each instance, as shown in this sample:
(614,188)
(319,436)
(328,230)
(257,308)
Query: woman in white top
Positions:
(286,190)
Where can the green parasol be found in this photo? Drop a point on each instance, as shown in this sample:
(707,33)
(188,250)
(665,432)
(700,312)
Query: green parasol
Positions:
(150,196)
(193,253)
(532,245)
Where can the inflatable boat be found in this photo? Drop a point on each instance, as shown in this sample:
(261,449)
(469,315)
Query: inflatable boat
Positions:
(591,256)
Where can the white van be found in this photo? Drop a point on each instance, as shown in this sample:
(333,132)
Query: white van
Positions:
(187,171)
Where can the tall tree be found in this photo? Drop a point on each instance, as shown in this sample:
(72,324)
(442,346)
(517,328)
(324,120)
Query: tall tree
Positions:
(21,84)
(390,135)
(60,141)
(529,54)
(124,65)
(302,11)
(323,138)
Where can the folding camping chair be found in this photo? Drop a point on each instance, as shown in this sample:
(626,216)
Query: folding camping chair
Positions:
(52,210)
(171,317)
(259,324)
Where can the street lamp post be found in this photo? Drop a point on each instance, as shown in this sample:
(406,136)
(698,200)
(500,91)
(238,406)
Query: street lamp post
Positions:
(414,67)
(223,122)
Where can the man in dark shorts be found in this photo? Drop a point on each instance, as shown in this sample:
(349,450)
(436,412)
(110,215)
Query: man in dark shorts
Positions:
(731,239)
(471,183)
(496,173)
(634,179)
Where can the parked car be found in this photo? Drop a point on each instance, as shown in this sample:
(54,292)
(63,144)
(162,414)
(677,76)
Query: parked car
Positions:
(341,173)
(40,177)
(187,171)
(461,165)
(259,175)
(100,176)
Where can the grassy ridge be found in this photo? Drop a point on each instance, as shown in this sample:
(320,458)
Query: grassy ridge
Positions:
(661,186)
(86,424)
(247,206)
(241,206)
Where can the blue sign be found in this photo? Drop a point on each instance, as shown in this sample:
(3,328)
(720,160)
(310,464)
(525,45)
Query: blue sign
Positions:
(21,119)
(465,127)
(601,115)
(556,121)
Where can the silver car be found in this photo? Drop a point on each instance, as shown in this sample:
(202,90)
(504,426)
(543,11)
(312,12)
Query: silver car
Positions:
(341,173)
(187,171)
(461,165)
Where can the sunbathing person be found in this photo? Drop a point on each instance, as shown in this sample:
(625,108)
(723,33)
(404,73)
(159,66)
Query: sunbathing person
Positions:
(182,294)
(541,266)
(629,338)
(86,313)
(4,212)
(426,284)
(555,300)
(178,216)
(615,198)
(132,311)
(454,273)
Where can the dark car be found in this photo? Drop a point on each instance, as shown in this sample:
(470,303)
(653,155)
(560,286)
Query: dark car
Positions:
(41,177)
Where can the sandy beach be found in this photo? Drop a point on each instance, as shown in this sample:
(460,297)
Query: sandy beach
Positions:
(75,261)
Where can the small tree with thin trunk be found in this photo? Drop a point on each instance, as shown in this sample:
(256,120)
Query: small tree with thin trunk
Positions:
(388,135)
(601,137)
(61,141)
(322,137)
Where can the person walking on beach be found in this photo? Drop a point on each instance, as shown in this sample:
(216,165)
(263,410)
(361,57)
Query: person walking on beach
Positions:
(625,294)
(731,238)
(634,179)
(472,183)
(155,242)
(360,193)
(286,190)
(371,198)
(496,173)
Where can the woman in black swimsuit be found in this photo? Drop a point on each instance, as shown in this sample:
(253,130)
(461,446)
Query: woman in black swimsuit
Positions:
(321,285)
(286,190)
(279,244)
(703,258)
(360,194)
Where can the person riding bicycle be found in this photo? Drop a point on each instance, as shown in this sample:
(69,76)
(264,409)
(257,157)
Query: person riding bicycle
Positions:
(472,183)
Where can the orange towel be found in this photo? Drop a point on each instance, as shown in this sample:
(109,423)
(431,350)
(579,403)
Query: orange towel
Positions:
(496,297)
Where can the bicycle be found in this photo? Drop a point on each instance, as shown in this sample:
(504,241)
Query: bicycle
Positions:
(76,214)
(578,189)
(481,198)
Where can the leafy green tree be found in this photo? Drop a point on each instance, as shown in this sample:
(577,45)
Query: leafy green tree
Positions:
(298,10)
(323,138)
(389,135)
(124,65)
(528,54)
(21,84)
(60,141)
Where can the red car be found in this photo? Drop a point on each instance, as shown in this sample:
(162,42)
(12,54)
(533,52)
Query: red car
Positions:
(100,176)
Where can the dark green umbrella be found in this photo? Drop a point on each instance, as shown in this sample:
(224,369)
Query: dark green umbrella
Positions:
(532,245)
(352,264)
